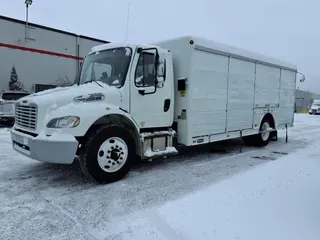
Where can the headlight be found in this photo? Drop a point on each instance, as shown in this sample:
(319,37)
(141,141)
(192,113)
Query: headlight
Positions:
(64,122)
(89,97)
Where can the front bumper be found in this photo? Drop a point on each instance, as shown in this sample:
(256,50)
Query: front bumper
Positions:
(44,149)
(314,112)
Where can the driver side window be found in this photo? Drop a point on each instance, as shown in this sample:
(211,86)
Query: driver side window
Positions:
(145,71)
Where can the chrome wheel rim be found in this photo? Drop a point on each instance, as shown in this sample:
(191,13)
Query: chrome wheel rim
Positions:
(112,154)
(265,131)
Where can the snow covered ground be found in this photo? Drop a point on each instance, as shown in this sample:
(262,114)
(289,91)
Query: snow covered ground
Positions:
(228,191)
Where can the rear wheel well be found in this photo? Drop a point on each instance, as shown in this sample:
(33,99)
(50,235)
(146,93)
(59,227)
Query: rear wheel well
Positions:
(114,119)
(270,119)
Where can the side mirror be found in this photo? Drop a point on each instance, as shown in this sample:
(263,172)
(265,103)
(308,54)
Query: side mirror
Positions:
(160,75)
(303,77)
(161,70)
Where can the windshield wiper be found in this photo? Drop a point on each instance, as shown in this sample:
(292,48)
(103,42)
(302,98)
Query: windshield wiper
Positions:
(92,80)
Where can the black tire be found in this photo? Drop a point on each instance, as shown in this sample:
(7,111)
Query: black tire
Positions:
(89,154)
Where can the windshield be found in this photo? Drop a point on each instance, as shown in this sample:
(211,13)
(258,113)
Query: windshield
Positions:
(316,103)
(109,66)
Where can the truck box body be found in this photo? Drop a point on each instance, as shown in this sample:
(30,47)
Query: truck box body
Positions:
(228,90)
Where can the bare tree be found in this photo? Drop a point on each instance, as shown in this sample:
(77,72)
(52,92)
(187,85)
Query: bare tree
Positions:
(64,81)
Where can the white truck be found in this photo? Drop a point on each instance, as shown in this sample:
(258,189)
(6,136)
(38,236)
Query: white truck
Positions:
(147,100)
(315,107)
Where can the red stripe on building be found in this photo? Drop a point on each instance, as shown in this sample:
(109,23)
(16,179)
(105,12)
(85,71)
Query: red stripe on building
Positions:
(35,50)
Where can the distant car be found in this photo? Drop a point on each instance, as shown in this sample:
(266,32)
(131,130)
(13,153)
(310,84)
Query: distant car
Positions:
(7,104)
(315,107)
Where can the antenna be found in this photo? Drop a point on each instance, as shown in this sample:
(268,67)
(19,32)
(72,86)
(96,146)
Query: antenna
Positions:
(128,16)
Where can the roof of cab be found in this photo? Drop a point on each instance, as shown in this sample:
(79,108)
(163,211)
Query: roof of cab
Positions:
(117,45)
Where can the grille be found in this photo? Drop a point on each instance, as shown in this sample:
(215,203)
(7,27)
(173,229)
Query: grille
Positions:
(26,116)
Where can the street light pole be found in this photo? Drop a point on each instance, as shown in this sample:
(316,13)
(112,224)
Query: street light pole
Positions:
(27,2)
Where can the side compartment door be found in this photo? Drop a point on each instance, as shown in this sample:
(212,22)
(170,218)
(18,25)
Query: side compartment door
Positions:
(209,87)
(151,104)
(240,95)
(267,86)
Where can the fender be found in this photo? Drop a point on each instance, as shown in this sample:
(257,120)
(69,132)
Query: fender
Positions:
(267,115)
(121,117)
(118,114)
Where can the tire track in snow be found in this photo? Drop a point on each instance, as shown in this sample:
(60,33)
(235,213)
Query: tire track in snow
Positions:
(164,227)
(80,226)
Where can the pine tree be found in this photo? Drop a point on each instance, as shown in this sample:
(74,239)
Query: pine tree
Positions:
(14,83)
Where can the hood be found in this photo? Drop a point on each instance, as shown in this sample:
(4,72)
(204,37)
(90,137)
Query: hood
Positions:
(61,96)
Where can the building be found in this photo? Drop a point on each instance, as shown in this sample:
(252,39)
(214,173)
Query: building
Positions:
(43,57)
(304,99)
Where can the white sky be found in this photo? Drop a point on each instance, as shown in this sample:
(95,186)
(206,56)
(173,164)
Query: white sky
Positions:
(285,29)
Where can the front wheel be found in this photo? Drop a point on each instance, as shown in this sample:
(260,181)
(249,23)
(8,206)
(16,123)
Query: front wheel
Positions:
(108,154)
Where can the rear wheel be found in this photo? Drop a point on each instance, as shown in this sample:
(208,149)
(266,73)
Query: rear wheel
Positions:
(262,139)
(108,154)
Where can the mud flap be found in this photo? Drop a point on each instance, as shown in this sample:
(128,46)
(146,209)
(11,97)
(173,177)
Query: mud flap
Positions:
(274,136)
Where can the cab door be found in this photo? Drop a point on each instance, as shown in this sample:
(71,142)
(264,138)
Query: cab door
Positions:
(151,91)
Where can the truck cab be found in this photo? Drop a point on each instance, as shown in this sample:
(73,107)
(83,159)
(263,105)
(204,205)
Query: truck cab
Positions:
(143,76)
(121,99)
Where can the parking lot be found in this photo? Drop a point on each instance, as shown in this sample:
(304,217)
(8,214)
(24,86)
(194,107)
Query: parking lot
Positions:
(46,201)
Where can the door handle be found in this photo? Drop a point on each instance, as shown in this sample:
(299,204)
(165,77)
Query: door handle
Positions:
(166,105)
